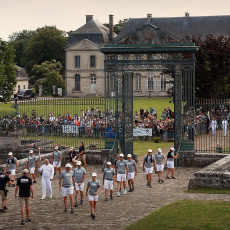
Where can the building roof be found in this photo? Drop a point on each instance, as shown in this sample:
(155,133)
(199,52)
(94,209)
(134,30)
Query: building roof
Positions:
(93,31)
(21,74)
(183,26)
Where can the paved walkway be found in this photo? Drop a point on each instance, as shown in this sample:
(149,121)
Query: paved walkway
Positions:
(115,214)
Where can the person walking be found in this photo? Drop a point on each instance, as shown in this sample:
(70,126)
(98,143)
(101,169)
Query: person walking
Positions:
(32,164)
(12,164)
(225,126)
(66,182)
(79,175)
(132,172)
(72,156)
(4,179)
(148,165)
(213,125)
(160,159)
(81,155)
(47,171)
(25,187)
(121,171)
(56,160)
(93,187)
(170,163)
(109,178)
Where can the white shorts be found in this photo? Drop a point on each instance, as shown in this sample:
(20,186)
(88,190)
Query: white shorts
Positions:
(56,164)
(79,188)
(67,191)
(12,172)
(170,164)
(32,170)
(108,184)
(160,167)
(131,175)
(93,198)
(121,177)
(148,170)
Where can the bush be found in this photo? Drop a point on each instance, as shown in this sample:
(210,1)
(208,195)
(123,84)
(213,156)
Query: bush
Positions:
(156,139)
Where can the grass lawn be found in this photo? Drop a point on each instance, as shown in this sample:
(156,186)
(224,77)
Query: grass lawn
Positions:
(59,106)
(209,190)
(187,215)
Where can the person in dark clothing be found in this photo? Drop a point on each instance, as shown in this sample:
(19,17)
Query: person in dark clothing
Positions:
(72,156)
(25,187)
(4,179)
(81,155)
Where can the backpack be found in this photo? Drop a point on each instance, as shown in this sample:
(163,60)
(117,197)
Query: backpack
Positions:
(12,161)
(151,159)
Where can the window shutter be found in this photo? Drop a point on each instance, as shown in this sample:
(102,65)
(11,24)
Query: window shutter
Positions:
(154,85)
(159,85)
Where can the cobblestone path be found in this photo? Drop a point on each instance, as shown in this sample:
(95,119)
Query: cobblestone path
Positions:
(113,214)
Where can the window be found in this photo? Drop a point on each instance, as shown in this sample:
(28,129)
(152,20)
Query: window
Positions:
(150,83)
(138,82)
(24,86)
(77,82)
(92,61)
(93,79)
(77,61)
(18,88)
(162,82)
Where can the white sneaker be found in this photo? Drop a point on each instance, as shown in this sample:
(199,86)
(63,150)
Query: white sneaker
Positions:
(42,198)
(118,194)
(124,192)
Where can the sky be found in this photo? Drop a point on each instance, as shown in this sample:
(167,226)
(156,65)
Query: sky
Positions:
(67,15)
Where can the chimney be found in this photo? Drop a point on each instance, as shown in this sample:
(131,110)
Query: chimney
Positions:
(111,35)
(89,18)
(149,17)
(186,14)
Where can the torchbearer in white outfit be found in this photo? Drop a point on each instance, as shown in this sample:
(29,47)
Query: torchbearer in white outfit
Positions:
(214,126)
(225,126)
(47,176)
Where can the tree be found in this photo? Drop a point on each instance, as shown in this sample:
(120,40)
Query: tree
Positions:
(118,26)
(212,66)
(48,74)
(7,70)
(47,44)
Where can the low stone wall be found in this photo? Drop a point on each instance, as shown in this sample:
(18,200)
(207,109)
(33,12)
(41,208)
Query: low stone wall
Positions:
(191,159)
(216,175)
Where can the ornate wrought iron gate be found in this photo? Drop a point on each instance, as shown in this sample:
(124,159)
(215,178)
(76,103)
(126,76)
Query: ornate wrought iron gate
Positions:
(146,50)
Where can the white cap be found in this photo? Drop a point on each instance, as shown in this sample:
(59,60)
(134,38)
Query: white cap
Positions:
(94,174)
(68,165)
(25,171)
(121,155)
(78,162)
(31,151)
(150,150)
(109,163)
(10,154)
(129,155)
(172,149)
(71,147)
(56,147)
(159,150)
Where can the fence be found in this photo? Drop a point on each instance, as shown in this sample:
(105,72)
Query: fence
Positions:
(65,122)
(212,121)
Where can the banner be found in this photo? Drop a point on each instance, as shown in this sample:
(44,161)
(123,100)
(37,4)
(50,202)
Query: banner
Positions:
(142,132)
(70,129)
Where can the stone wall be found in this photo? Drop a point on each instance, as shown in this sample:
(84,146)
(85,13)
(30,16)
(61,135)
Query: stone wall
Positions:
(216,175)
(191,159)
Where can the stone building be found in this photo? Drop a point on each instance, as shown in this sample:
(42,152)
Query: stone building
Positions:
(22,79)
(85,62)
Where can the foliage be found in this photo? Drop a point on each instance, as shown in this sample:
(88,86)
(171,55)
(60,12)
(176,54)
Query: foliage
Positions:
(218,148)
(187,214)
(43,44)
(7,70)
(212,66)
(117,27)
(156,139)
(48,74)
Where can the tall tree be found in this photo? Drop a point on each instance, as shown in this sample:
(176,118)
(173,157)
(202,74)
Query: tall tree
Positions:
(48,74)
(47,44)
(7,70)
(118,26)
(212,66)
